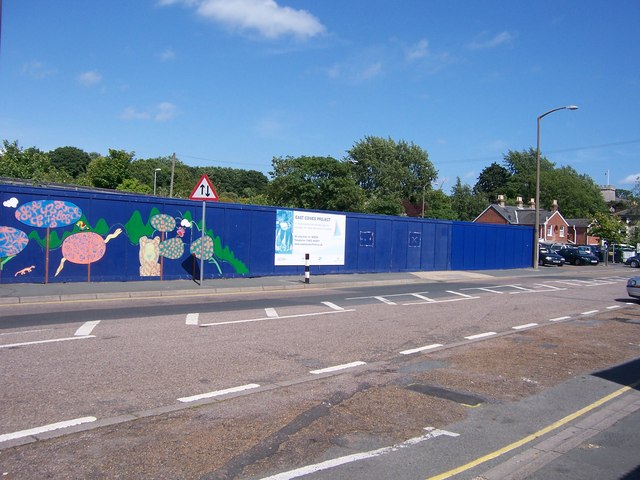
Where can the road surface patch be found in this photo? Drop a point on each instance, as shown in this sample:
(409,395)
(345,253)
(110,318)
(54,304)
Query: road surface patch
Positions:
(465,399)
(336,462)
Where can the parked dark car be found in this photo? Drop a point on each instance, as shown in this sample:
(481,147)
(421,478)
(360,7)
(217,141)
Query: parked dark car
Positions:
(593,250)
(578,256)
(547,256)
(633,261)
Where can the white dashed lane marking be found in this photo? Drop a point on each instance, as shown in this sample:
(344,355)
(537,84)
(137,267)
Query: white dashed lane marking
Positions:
(526,325)
(86,328)
(218,393)
(480,335)
(421,349)
(337,368)
(46,428)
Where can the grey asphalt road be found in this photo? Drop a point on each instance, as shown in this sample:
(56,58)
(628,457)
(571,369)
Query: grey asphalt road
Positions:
(149,351)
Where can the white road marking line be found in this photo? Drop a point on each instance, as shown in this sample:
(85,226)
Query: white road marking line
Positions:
(26,331)
(384,300)
(336,462)
(461,294)
(421,349)
(271,312)
(549,287)
(487,289)
(589,312)
(86,328)
(46,428)
(480,335)
(337,368)
(558,319)
(218,393)
(526,325)
(521,289)
(613,307)
(37,342)
(192,319)
(422,297)
(231,322)
(333,306)
(446,300)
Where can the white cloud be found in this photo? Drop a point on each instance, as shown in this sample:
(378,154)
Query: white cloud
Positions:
(355,73)
(419,50)
(165,111)
(264,16)
(167,55)
(631,179)
(11,203)
(371,71)
(37,70)
(162,112)
(90,78)
(485,40)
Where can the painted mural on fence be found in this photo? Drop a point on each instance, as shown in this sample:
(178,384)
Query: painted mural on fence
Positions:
(61,230)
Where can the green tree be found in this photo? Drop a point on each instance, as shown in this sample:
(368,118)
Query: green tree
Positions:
(110,171)
(438,205)
(466,204)
(607,227)
(322,183)
(241,183)
(492,181)
(390,172)
(72,160)
(29,164)
(578,196)
(133,185)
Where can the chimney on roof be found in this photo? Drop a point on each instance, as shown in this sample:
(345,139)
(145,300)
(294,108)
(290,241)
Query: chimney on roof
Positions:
(519,202)
(554,207)
(532,203)
(501,200)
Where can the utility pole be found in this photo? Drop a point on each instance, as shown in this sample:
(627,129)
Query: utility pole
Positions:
(173,167)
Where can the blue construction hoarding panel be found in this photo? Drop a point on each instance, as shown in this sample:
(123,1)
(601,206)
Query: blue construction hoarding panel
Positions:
(75,235)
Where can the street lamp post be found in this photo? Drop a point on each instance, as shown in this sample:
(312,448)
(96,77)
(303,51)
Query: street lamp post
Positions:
(536,233)
(155,176)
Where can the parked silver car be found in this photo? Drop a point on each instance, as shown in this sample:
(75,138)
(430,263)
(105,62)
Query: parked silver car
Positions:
(633,287)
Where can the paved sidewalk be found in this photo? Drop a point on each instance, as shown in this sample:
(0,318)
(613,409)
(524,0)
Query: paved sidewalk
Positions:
(14,293)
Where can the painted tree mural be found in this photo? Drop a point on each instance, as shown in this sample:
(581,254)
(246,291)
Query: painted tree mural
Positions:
(85,248)
(48,214)
(12,242)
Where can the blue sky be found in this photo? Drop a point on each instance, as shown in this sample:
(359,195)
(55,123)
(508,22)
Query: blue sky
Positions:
(236,82)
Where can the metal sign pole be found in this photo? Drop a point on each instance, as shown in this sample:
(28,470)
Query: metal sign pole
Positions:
(204,231)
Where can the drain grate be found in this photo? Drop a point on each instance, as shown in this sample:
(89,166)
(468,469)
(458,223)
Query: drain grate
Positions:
(465,399)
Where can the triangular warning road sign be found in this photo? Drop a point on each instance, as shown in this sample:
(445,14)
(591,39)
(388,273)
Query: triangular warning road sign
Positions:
(204,190)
